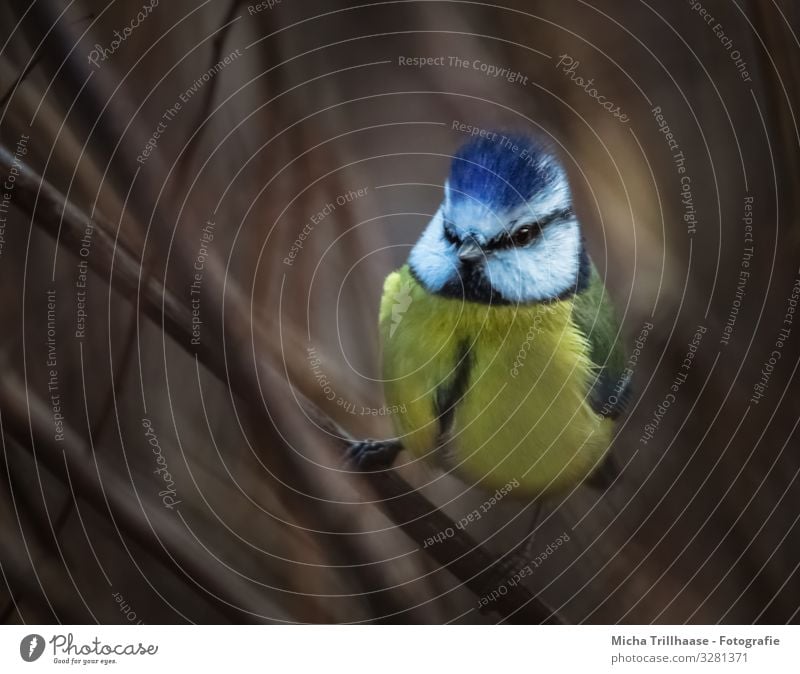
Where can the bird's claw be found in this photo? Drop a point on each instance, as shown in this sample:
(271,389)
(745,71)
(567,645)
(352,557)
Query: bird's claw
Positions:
(372,454)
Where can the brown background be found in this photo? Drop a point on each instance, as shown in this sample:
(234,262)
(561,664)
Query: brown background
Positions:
(702,526)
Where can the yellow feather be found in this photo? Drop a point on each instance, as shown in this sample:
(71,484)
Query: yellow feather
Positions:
(525,417)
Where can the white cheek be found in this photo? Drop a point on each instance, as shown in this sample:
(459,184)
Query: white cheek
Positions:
(432,258)
(546,270)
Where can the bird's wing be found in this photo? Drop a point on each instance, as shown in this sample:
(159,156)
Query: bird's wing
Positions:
(594,316)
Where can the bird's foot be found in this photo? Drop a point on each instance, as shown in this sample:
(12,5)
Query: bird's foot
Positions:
(372,454)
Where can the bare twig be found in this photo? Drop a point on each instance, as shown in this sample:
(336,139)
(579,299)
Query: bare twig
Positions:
(175,319)
(348,553)
(16,572)
(203,115)
(28,421)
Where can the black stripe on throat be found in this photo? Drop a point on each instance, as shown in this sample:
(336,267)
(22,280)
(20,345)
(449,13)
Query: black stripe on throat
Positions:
(449,394)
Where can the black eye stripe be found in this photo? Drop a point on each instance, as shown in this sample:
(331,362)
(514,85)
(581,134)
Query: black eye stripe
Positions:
(506,239)
(449,234)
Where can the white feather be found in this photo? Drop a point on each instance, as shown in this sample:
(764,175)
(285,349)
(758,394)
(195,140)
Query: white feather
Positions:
(544,270)
(432,258)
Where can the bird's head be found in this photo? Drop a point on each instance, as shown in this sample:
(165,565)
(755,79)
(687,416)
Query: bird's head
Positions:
(506,231)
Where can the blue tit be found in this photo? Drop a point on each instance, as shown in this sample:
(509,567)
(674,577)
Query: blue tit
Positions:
(500,344)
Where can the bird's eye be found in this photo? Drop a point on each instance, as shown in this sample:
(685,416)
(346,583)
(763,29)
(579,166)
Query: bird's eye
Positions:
(449,234)
(525,234)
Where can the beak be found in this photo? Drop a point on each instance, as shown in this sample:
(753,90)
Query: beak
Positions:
(470,250)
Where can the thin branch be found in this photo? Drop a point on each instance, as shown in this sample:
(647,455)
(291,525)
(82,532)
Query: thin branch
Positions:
(32,63)
(475,567)
(29,422)
(59,217)
(16,572)
(203,115)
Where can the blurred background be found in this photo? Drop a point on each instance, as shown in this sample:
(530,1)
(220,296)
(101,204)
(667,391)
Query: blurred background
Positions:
(242,177)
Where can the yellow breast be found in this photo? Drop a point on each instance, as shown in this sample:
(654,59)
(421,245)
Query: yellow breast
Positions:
(524,417)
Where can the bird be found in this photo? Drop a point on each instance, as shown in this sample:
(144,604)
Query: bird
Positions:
(500,342)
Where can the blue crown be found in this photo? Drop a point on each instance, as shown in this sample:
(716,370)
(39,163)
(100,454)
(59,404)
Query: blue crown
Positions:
(501,171)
